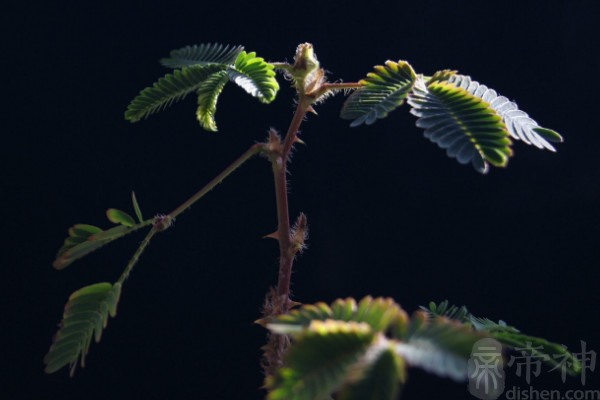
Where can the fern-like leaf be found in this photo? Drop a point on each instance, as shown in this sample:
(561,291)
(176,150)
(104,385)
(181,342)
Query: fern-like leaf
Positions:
(460,314)
(552,354)
(383,91)
(463,124)
(208,94)
(211,53)
(255,76)
(555,355)
(319,360)
(168,89)
(84,239)
(440,346)
(519,124)
(85,316)
(378,313)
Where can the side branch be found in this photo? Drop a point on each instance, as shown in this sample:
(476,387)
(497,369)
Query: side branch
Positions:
(252,151)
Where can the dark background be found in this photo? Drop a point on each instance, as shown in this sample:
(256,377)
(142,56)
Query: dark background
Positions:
(389,213)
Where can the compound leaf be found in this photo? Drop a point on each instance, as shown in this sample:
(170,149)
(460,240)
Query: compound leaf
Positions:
(168,89)
(319,360)
(519,124)
(201,54)
(84,239)
(383,91)
(463,124)
(208,94)
(85,316)
(552,354)
(378,313)
(439,345)
(255,76)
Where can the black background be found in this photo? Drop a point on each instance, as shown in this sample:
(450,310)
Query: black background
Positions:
(389,213)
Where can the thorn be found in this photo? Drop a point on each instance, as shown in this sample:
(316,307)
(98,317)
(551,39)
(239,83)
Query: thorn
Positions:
(274,235)
(298,140)
(312,110)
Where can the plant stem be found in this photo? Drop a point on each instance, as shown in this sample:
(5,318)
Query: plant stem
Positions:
(253,150)
(286,254)
(136,256)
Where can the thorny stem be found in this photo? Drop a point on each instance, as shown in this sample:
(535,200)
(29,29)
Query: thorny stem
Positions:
(286,254)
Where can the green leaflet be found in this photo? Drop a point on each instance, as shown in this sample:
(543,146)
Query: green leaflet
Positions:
(84,239)
(555,355)
(202,54)
(120,217)
(379,313)
(319,360)
(208,94)
(255,76)
(439,345)
(384,90)
(518,123)
(463,124)
(85,316)
(136,207)
(168,89)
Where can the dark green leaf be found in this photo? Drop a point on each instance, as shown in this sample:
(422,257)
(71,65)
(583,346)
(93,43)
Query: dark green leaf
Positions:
(463,124)
(319,360)
(85,316)
(77,245)
(552,354)
(383,91)
(201,54)
(168,89)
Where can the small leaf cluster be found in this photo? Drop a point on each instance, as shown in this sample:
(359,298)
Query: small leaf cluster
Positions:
(87,309)
(205,69)
(472,122)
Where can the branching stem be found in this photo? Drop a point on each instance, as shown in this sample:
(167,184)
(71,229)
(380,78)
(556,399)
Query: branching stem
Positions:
(286,254)
(252,151)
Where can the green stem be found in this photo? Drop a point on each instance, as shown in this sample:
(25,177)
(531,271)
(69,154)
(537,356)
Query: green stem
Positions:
(253,150)
(136,256)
